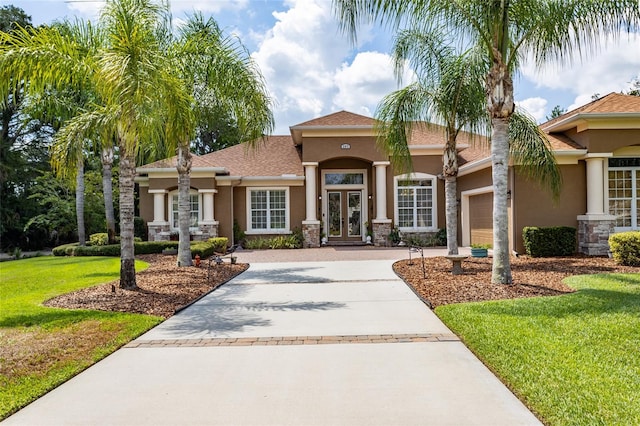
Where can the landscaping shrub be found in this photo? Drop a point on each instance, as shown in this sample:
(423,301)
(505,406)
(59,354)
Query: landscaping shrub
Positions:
(99,239)
(441,237)
(549,241)
(203,248)
(154,247)
(625,248)
(62,250)
(107,250)
(219,244)
(238,234)
(292,241)
(140,228)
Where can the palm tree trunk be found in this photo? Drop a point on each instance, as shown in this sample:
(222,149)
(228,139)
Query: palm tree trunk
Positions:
(184,204)
(450,173)
(501,271)
(127,254)
(107,190)
(82,237)
(500,104)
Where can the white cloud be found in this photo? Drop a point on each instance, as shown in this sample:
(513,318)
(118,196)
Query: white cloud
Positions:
(304,59)
(537,107)
(364,82)
(609,70)
(298,57)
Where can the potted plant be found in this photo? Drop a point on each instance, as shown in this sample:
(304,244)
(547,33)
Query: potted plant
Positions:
(480,250)
(369,234)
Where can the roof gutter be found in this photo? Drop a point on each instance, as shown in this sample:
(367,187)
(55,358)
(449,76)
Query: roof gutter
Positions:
(474,166)
(173,169)
(572,121)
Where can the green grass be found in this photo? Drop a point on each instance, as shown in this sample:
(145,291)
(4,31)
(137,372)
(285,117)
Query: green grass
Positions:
(42,347)
(573,359)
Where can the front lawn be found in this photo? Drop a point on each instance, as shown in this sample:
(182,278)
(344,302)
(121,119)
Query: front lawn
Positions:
(42,347)
(573,359)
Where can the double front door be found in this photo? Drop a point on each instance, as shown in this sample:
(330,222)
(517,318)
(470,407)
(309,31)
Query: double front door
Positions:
(344,215)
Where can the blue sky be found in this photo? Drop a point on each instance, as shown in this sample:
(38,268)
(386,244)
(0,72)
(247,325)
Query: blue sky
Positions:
(312,69)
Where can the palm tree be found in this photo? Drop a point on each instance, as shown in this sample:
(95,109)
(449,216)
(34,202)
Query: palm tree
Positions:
(507,31)
(449,91)
(220,75)
(141,101)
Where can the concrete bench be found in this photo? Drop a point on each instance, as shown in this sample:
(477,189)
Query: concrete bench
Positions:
(456,260)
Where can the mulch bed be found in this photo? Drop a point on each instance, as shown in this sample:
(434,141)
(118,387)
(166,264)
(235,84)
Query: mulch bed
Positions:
(531,277)
(163,288)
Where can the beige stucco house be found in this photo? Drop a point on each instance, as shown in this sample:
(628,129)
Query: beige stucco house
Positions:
(328,179)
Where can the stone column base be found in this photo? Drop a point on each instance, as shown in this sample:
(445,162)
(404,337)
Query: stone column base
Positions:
(381,230)
(311,234)
(208,230)
(158,231)
(593,234)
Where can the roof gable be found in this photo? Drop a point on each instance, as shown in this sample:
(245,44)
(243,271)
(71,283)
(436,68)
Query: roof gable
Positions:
(338,119)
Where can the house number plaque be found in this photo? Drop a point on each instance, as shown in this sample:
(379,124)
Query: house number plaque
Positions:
(345,146)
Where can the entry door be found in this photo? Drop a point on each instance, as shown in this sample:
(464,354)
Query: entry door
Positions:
(344,210)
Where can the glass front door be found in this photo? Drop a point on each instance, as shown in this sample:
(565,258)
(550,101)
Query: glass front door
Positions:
(344,211)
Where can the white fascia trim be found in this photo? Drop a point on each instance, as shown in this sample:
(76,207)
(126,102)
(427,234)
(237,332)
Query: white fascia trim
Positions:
(572,121)
(474,166)
(272,178)
(173,169)
(352,127)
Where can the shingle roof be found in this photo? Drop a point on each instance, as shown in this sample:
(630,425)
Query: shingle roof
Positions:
(340,118)
(170,163)
(276,156)
(611,103)
(433,134)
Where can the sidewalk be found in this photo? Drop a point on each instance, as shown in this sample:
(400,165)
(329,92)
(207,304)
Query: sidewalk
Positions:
(291,343)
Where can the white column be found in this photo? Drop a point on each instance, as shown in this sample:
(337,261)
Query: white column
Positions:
(159,196)
(381,189)
(595,185)
(311,192)
(207,205)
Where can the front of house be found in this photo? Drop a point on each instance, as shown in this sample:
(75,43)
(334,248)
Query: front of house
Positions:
(328,179)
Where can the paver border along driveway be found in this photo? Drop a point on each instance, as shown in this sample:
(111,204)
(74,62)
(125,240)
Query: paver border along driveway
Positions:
(291,343)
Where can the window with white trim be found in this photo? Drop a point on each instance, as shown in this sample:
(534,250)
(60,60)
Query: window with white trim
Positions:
(415,208)
(624,192)
(194,210)
(268,210)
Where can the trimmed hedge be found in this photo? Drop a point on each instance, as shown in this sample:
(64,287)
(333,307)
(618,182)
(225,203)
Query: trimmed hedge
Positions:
(625,248)
(203,248)
(219,244)
(549,241)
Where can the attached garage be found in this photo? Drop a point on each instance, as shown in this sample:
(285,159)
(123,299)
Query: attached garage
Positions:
(481,218)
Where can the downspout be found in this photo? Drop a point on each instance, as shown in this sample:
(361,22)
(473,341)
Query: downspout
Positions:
(233,220)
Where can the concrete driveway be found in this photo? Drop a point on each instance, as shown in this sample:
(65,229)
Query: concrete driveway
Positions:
(331,342)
